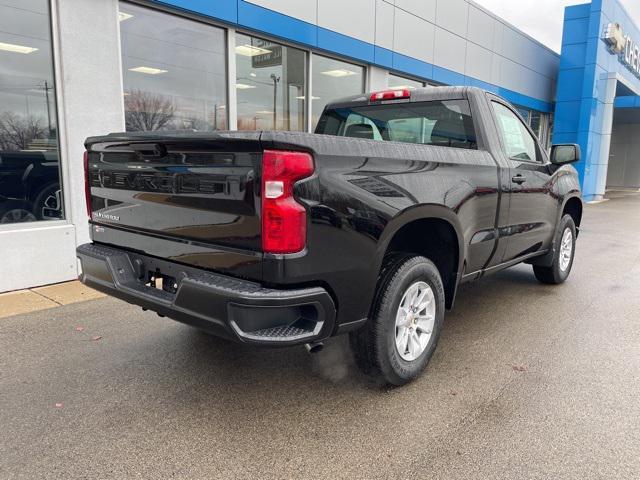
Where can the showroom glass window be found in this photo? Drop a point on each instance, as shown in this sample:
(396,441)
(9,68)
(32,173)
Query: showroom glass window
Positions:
(397,82)
(29,162)
(535,122)
(333,79)
(549,131)
(270,85)
(524,113)
(174,72)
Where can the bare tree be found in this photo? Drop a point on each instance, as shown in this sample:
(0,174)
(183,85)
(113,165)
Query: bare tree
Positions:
(146,111)
(18,131)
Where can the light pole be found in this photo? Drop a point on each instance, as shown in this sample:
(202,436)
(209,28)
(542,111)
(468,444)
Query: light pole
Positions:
(275,79)
(46,93)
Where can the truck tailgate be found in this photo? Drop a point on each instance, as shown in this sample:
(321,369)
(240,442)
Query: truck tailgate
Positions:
(187,197)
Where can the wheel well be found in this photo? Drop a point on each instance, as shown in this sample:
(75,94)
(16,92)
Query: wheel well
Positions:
(436,240)
(573,207)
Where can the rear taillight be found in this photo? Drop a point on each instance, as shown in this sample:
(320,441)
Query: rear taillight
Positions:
(284,220)
(87,184)
(396,94)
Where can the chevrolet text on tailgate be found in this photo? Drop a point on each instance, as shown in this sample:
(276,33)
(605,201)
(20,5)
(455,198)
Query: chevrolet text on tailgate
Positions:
(366,227)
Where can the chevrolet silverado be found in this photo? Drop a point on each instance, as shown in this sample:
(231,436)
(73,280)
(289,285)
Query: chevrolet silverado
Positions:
(366,227)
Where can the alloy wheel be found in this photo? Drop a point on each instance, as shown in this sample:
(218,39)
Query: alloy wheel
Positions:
(566,249)
(415,321)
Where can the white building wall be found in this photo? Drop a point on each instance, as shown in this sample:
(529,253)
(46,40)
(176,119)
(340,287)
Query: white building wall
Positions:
(413,36)
(455,34)
(35,255)
(385,20)
(89,60)
(357,17)
(377,78)
(306,10)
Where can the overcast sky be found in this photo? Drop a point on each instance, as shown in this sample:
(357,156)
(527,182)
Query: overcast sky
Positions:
(542,19)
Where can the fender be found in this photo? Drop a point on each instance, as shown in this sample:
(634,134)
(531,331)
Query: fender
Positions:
(547,259)
(571,190)
(423,212)
(571,194)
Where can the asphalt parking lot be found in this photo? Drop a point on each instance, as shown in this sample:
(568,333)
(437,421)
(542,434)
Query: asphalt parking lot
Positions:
(528,381)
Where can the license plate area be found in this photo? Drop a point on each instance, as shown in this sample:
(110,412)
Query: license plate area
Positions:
(160,281)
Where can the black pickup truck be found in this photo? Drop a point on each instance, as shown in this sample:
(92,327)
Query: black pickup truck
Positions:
(367,226)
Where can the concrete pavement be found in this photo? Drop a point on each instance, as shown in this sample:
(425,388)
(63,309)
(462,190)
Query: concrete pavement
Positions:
(529,381)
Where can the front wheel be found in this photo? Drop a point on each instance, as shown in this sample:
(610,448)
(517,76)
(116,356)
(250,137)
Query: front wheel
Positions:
(408,312)
(565,249)
(16,211)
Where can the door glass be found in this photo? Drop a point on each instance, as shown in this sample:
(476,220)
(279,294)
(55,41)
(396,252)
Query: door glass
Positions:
(518,142)
(270,85)
(29,163)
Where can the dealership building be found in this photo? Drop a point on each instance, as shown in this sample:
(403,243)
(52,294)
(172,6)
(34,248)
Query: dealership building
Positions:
(70,69)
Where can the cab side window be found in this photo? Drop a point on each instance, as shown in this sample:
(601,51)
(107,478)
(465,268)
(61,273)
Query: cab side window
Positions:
(519,144)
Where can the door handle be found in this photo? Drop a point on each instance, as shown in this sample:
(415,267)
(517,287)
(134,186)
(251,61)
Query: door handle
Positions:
(519,179)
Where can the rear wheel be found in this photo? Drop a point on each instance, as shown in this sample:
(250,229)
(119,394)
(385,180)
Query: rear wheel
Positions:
(565,249)
(399,339)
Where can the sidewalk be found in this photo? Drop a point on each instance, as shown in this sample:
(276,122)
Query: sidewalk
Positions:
(42,298)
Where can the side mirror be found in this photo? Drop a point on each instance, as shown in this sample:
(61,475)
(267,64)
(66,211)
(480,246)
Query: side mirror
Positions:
(567,153)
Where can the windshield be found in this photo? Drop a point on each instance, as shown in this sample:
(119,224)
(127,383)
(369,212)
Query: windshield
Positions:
(446,123)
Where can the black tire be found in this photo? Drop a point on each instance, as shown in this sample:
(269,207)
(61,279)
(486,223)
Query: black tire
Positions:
(374,345)
(16,211)
(48,203)
(555,274)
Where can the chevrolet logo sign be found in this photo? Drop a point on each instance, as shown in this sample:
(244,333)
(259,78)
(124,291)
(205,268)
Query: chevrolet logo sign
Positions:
(615,38)
(627,50)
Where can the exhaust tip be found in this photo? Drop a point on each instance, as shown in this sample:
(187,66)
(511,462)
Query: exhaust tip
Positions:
(314,347)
